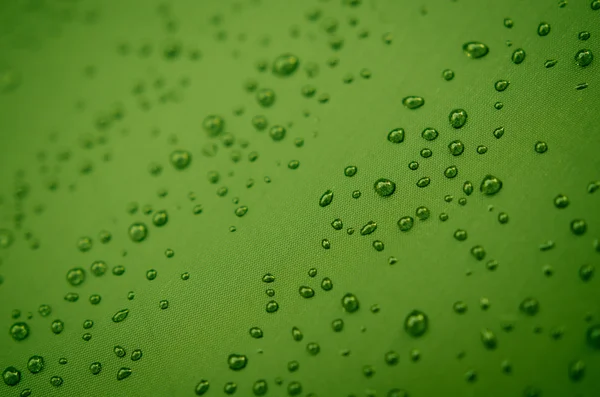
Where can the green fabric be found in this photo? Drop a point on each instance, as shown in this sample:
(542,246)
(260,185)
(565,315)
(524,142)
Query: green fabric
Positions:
(95,93)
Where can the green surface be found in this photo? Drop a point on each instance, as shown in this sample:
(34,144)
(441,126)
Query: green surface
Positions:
(67,66)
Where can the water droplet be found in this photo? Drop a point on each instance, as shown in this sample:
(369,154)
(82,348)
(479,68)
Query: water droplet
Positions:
(369,228)
(501,85)
(429,134)
(72,297)
(337,224)
(241,211)
(423,213)
(451,172)
(413,102)
(326,198)
(95,368)
(350,303)
(488,338)
(447,74)
(475,49)
(578,227)
(56,381)
(237,362)
(118,270)
(265,97)
(459,307)
(306,292)
(503,218)
(384,187)
(294,388)
(163,304)
(478,252)
(593,336)
(160,218)
(456,148)
(350,170)
(95,299)
(202,387)
(57,326)
(313,348)
(595,5)
(11,376)
(285,65)
(213,125)
(326,243)
(337,325)
(426,153)
(471,376)
(327,284)
(584,57)
(518,56)
(19,331)
(529,306)
(586,272)
(561,201)
(84,244)
(583,36)
(123,373)
(76,276)
(458,118)
(180,159)
(35,364)
(423,182)
(577,368)
(260,387)
(541,147)
(256,332)
(119,351)
(98,268)
(406,223)
(396,135)
(543,29)
(268,278)
(356,194)
(413,165)
(272,306)
(416,323)
(297,335)
(120,315)
(490,185)
(87,324)
(460,235)
(138,232)
(378,245)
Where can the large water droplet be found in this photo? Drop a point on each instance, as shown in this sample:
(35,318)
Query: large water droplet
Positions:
(413,102)
(416,323)
(475,49)
(120,315)
(285,65)
(384,187)
(458,118)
